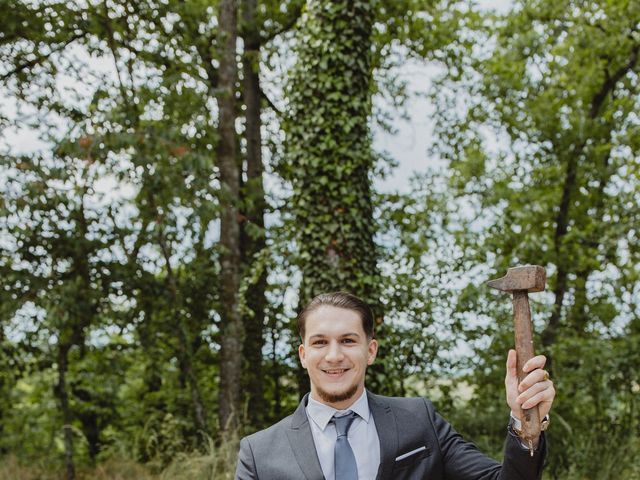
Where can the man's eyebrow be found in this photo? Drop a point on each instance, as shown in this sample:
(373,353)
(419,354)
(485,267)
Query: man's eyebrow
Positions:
(317,335)
(344,335)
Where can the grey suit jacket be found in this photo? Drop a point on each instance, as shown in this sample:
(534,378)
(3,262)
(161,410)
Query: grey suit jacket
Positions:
(285,451)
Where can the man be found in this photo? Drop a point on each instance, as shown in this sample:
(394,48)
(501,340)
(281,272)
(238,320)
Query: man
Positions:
(341,431)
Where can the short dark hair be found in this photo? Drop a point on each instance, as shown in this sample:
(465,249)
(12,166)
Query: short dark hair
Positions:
(339,300)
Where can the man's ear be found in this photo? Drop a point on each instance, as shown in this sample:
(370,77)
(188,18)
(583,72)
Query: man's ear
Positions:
(301,355)
(372,351)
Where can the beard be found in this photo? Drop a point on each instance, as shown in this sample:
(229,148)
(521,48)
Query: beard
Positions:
(338,396)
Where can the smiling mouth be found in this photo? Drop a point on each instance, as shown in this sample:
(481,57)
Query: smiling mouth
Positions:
(335,371)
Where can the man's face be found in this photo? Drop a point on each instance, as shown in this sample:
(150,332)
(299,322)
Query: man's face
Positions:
(335,351)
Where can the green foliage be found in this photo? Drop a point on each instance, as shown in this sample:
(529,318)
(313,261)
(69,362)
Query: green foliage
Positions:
(329,156)
(538,131)
(218,462)
(12,467)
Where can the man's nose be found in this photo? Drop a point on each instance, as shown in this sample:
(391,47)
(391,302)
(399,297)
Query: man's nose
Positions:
(334,353)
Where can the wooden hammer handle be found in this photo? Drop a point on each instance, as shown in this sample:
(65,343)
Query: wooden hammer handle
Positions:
(524,349)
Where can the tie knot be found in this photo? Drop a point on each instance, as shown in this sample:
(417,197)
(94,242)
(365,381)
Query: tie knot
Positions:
(344,422)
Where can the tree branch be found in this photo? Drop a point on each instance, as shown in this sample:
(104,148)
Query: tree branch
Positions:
(42,58)
(610,82)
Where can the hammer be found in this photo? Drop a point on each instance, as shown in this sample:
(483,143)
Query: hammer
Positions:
(521,281)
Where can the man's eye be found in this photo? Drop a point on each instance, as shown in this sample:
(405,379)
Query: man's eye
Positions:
(348,340)
(319,342)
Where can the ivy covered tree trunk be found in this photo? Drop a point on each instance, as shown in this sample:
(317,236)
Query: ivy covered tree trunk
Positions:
(232,330)
(329,151)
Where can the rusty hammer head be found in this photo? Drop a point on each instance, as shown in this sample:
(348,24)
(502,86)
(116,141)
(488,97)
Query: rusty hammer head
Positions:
(529,278)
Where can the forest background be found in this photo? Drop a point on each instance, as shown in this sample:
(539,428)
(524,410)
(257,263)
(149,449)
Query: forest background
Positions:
(203,168)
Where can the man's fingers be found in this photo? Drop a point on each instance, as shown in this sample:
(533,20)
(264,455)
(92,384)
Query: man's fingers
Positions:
(538,361)
(511,358)
(511,377)
(540,398)
(542,391)
(511,365)
(534,377)
(511,383)
(536,389)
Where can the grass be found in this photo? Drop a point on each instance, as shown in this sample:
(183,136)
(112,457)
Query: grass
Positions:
(113,469)
(216,463)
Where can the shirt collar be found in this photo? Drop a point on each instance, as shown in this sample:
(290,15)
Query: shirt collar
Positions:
(322,414)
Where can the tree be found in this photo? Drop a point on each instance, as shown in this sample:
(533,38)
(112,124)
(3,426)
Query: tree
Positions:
(329,157)
(58,275)
(150,155)
(232,327)
(329,151)
(540,127)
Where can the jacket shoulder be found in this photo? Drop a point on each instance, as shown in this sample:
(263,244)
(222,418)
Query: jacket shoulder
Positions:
(268,434)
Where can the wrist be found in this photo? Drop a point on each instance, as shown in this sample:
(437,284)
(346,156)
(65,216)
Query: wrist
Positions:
(517,423)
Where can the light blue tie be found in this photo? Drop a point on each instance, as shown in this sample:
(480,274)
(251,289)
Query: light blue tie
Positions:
(346,468)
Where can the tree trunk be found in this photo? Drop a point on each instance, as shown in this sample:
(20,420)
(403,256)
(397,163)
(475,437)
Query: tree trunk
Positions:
(329,153)
(253,240)
(232,330)
(91,431)
(90,420)
(67,417)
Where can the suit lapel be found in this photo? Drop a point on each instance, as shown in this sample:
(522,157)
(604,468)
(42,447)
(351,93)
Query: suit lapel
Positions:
(387,433)
(301,441)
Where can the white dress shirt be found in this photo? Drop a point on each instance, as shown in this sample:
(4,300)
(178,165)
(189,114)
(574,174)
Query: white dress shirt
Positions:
(363,437)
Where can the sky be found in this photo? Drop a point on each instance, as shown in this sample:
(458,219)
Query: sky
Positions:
(409,145)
